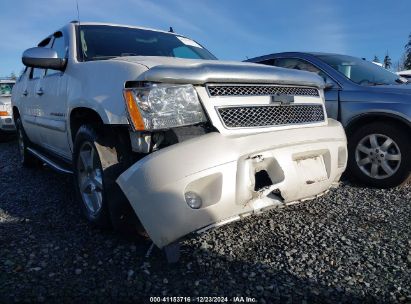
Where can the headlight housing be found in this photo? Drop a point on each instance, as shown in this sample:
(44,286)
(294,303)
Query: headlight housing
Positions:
(5,109)
(158,106)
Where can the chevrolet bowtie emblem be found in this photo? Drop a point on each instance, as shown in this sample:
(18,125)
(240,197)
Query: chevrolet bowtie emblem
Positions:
(282,99)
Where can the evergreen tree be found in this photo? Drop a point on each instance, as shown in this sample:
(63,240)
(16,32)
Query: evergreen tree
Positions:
(407,61)
(387,62)
(376,59)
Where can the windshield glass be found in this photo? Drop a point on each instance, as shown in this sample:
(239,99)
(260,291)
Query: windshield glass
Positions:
(360,71)
(5,88)
(99,42)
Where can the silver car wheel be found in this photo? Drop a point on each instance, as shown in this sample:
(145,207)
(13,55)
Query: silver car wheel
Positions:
(378,156)
(89,176)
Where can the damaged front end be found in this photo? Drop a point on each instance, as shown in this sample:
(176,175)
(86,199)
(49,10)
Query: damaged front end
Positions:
(224,174)
(216,151)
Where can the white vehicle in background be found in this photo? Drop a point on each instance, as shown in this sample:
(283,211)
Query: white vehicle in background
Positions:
(6,117)
(405,74)
(155,129)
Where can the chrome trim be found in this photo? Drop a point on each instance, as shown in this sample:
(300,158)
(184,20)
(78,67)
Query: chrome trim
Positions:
(49,162)
(207,85)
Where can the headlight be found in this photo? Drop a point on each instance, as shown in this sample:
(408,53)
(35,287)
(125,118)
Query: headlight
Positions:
(163,106)
(5,109)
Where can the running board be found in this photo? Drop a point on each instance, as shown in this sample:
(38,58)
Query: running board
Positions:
(54,165)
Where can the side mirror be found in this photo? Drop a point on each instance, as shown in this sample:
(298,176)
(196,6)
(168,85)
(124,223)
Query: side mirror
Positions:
(45,58)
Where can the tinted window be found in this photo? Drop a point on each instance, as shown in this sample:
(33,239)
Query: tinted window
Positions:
(360,71)
(59,45)
(299,64)
(36,72)
(103,42)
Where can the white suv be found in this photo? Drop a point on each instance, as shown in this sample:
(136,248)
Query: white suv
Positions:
(6,119)
(154,128)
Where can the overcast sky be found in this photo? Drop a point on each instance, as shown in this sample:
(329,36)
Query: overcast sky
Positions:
(230,29)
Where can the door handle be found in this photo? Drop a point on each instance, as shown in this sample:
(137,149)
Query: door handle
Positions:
(40,92)
(25,93)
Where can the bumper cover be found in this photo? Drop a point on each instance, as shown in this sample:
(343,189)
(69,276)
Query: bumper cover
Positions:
(7,124)
(301,164)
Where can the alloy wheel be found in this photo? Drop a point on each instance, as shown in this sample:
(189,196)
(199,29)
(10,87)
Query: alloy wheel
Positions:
(89,177)
(378,156)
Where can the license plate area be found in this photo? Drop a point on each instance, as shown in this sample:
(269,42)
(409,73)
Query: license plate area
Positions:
(312,170)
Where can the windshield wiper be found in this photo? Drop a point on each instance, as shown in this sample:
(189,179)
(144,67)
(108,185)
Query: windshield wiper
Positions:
(102,57)
(128,54)
(112,56)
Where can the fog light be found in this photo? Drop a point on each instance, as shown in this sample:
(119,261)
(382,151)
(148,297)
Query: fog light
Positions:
(193,200)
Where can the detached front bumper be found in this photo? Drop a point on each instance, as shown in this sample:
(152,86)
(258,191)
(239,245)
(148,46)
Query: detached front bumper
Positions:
(7,124)
(301,163)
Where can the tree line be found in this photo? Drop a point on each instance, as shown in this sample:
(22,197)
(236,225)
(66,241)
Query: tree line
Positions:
(404,63)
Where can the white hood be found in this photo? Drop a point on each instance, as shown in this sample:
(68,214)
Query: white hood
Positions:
(197,71)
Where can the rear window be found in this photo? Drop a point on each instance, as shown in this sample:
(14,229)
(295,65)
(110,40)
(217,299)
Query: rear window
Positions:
(98,42)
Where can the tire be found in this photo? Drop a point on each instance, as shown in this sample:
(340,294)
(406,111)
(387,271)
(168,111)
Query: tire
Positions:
(27,159)
(112,157)
(379,155)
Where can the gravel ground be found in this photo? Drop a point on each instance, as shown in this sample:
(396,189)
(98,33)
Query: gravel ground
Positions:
(352,245)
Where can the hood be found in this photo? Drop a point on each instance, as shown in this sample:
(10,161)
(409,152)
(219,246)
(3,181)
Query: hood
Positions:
(5,99)
(195,71)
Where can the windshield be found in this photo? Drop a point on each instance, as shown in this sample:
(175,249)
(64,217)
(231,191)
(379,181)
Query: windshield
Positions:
(5,88)
(360,71)
(99,42)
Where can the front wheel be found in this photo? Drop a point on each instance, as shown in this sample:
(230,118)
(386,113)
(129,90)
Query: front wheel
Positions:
(379,155)
(99,158)
(26,158)
(89,179)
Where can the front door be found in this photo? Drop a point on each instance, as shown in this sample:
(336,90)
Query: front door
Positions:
(52,119)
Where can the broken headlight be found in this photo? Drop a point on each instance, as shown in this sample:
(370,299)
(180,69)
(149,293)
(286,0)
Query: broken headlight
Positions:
(155,106)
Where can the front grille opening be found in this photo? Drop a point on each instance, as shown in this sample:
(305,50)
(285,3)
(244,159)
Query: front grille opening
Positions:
(270,116)
(262,180)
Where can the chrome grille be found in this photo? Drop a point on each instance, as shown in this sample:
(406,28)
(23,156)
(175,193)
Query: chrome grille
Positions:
(259,90)
(269,116)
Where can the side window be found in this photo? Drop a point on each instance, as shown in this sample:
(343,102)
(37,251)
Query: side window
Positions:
(36,72)
(299,64)
(59,45)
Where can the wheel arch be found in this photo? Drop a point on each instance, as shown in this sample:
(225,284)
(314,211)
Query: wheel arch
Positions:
(368,118)
(80,116)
